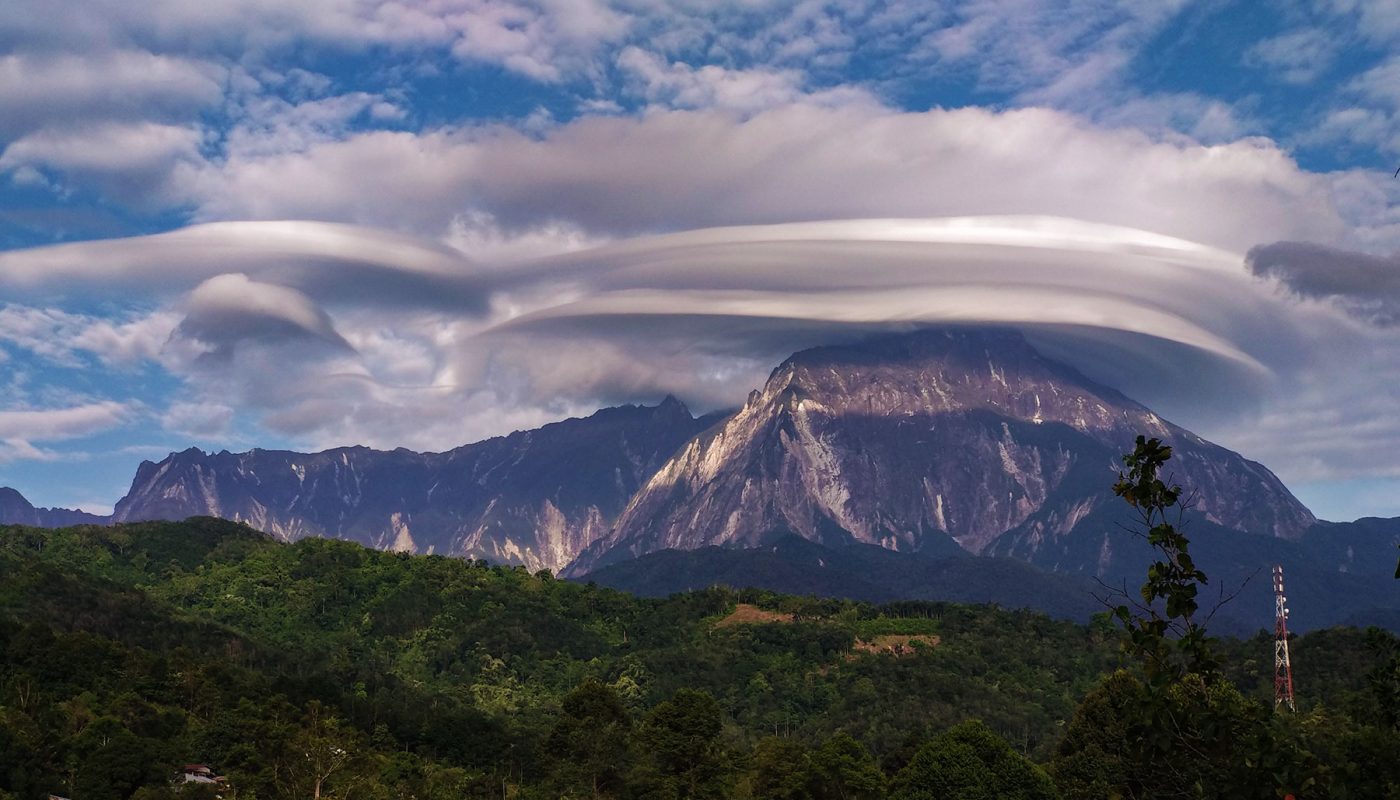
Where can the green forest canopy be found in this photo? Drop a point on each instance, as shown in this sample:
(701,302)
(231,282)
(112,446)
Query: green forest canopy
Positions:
(325,668)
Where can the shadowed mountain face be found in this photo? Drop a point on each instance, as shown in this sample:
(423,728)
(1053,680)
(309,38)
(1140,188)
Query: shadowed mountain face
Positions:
(534,498)
(793,565)
(15,510)
(906,441)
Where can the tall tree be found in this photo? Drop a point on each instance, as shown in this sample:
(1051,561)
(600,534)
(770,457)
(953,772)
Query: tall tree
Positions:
(843,769)
(321,756)
(682,737)
(590,742)
(970,762)
(1170,726)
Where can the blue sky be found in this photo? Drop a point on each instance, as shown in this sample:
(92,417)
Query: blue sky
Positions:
(247,223)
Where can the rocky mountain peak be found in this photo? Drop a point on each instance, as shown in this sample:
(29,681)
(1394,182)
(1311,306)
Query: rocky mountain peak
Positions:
(960,369)
(910,441)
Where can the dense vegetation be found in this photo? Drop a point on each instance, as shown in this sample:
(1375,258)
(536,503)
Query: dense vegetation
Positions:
(324,669)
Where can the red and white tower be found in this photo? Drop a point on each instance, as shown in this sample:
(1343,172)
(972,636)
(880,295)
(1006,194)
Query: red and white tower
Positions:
(1283,669)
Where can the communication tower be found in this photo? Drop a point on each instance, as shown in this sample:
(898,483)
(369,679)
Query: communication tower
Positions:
(1283,669)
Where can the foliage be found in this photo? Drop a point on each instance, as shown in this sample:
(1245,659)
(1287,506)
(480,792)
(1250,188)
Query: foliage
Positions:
(1171,724)
(127,651)
(589,742)
(970,762)
(1164,635)
(843,769)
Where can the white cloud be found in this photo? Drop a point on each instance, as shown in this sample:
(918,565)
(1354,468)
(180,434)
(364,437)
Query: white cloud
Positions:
(16,449)
(1198,119)
(129,342)
(328,262)
(543,39)
(1354,125)
(273,126)
(745,91)
(201,420)
(481,235)
(135,162)
(1051,48)
(1376,20)
(700,314)
(38,91)
(549,40)
(228,309)
(1297,57)
(46,332)
(1380,84)
(55,424)
(60,337)
(686,169)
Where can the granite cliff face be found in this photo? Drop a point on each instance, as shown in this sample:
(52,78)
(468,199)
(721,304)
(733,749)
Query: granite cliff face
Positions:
(910,441)
(535,498)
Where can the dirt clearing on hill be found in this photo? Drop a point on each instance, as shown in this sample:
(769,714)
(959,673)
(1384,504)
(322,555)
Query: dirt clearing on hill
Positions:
(746,614)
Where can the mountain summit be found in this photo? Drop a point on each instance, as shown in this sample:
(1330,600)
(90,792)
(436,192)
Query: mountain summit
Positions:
(913,442)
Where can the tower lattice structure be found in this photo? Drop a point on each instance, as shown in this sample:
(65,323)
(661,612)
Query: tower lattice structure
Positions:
(1283,667)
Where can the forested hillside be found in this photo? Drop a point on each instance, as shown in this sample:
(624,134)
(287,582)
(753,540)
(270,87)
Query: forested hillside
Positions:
(325,669)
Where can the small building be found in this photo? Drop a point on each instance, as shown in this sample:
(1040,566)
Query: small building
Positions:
(198,773)
(203,775)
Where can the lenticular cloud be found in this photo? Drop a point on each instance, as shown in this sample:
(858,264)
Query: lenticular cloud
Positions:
(1159,314)
(703,314)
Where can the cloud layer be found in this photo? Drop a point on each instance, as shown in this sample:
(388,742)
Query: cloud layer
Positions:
(302,338)
(451,219)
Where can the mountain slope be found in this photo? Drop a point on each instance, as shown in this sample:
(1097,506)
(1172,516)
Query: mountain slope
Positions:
(16,510)
(908,440)
(793,565)
(534,497)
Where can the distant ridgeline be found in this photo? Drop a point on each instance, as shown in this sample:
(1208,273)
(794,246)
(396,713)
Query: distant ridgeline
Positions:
(134,656)
(871,471)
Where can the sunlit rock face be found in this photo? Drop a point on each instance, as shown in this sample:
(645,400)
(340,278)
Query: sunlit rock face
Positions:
(913,441)
(534,498)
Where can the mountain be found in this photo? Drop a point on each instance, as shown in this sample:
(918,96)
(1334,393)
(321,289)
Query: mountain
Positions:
(793,565)
(856,471)
(534,497)
(16,510)
(910,441)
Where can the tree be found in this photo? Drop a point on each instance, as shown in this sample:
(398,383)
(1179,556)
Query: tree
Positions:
(682,737)
(970,762)
(113,762)
(1199,739)
(781,769)
(843,769)
(591,740)
(1164,633)
(1170,726)
(323,751)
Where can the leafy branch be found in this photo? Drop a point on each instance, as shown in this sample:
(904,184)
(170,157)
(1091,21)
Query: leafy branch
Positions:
(1163,630)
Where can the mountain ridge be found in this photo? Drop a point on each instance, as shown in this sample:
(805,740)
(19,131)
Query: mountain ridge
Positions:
(927,445)
(15,509)
(531,497)
(850,443)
